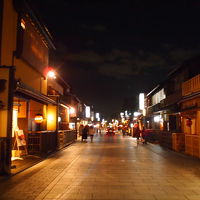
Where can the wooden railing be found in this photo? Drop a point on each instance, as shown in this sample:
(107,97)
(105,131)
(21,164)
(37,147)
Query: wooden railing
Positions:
(165,139)
(178,142)
(66,137)
(41,142)
(191,86)
(153,108)
(192,145)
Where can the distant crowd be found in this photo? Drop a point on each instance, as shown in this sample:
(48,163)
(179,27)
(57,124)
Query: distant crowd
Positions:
(85,131)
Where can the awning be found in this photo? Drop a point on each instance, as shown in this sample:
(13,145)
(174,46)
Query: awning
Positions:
(190,97)
(32,94)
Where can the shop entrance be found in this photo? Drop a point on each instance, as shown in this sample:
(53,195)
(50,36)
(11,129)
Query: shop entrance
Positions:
(19,127)
(21,124)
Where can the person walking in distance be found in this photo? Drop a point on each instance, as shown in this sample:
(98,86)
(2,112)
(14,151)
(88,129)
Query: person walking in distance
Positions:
(91,133)
(85,133)
(137,133)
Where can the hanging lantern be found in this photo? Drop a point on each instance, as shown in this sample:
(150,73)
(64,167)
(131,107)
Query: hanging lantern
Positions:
(189,122)
(38,118)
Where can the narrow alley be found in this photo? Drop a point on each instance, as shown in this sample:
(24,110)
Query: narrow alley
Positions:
(112,167)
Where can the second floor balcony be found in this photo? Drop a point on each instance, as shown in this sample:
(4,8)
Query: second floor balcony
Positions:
(152,109)
(191,86)
(171,99)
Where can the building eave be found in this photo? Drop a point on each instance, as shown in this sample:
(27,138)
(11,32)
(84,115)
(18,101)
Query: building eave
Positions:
(24,7)
(190,97)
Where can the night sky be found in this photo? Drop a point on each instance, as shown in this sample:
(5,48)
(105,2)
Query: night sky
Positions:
(110,51)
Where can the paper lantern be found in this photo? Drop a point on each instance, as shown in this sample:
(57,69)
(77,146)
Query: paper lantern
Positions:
(38,118)
(189,122)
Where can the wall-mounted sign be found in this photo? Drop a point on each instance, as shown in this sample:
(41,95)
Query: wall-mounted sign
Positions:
(87,111)
(141,101)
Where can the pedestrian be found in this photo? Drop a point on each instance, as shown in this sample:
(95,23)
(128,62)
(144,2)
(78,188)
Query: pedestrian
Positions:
(137,133)
(85,133)
(91,133)
(81,127)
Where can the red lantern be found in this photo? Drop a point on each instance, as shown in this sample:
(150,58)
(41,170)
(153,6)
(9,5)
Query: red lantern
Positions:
(38,118)
(189,122)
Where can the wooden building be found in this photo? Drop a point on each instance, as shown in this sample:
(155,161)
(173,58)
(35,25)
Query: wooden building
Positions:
(173,108)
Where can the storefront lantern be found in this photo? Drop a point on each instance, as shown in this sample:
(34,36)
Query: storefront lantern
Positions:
(38,118)
(189,122)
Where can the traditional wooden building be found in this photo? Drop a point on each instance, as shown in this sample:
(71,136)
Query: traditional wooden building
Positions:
(172,108)
(24,53)
(190,107)
(67,111)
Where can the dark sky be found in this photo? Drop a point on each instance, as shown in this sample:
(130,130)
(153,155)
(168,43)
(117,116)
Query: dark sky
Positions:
(109,51)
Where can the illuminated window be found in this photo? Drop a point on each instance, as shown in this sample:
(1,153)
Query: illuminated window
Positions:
(159,96)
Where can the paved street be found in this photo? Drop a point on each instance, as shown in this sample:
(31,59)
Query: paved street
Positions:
(109,168)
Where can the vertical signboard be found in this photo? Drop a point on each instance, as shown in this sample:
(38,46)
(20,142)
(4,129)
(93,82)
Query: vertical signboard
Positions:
(141,101)
(87,111)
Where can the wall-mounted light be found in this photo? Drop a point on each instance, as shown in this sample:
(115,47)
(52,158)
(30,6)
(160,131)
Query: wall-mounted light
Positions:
(23,24)
(156,118)
(72,110)
(38,118)
(51,73)
(59,119)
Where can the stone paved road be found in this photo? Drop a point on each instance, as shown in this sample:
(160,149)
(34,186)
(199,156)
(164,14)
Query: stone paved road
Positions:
(114,168)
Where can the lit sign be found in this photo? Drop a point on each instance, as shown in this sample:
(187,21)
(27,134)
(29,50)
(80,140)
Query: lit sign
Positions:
(136,114)
(141,101)
(87,112)
(97,115)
